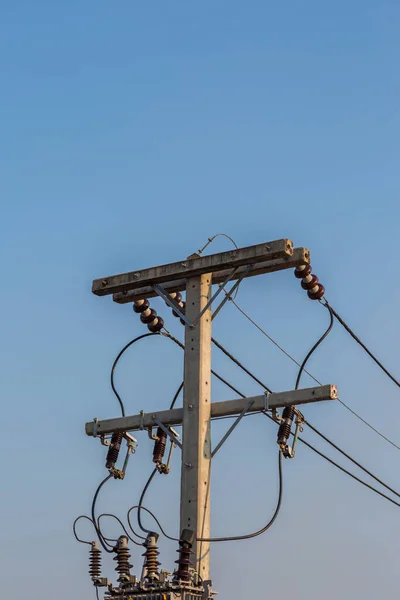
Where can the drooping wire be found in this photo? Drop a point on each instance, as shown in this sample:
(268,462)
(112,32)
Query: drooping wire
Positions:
(122,527)
(302,369)
(142,495)
(211,239)
(357,339)
(103,542)
(128,345)
(97,593)
(346,406)
(74,529)
(169,537)
(313,349)
(263,529)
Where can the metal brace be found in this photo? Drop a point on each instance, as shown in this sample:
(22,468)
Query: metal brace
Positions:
(171,433)
(160,291)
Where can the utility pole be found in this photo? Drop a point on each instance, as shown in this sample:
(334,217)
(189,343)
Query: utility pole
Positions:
(196,275)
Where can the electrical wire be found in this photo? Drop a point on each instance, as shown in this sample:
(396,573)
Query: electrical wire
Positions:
(180,388)
(128,345)
(146,487)
(99,534)
(97,593)
(74,529)
(266,527)
(364,483)
(321,435)
(182,346)
(346,406)
(301,370)
(313,349)
(239,364)
(211,239)
(122,526)
(357,339)
(169,537)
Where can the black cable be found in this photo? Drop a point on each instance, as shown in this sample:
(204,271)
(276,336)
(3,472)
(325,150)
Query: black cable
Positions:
(321,435)
(357,339)
(180,388)
(267,526)
(99,534)
(353,412)
(128,345)
(97,593)
(156,520)
(146,487)
(74,529)
(122,526)
(321,339)
(348,472)
(338,466)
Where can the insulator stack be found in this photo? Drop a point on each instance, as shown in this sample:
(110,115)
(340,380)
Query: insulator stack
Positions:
(95,562)
(184,563)
(286,425)
(309,282)
(148,315)
(113,451)
(122,557)
(151,563)
(159,446)
(177,296)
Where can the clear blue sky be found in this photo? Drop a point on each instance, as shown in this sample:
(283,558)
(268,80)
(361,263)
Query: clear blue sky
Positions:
(130,132)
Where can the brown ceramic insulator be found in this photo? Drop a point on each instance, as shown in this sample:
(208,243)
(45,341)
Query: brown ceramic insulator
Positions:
(159,446)
(318,294)
(300,273)
(148,318)
(140,306)
(309,285)
(113,450)
(122,557)
(156,327)
(184,563)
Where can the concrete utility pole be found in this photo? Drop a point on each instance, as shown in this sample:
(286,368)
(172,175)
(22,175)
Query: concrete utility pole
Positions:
(196,275)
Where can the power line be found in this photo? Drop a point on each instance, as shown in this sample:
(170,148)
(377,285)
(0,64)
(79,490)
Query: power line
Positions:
(357,339)
(249,536)
(374,429)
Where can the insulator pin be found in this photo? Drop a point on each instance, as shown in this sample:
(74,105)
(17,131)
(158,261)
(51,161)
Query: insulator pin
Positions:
(95,562)
(140,306)
(122,557)
(113,451)
(151,563)
(159,446)
(309,282)
(286,425)
(148,315)
(185,550)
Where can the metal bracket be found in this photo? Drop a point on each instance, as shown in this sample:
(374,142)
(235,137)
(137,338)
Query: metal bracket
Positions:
(171,433)
(231,428)
(95,422)
(228,295)
(176,308)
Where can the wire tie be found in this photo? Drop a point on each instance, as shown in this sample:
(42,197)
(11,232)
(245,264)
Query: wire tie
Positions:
(141,420)
(266,403)
(95,421)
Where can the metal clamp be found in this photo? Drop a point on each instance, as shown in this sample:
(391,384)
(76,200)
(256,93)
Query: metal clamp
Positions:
(95,422)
